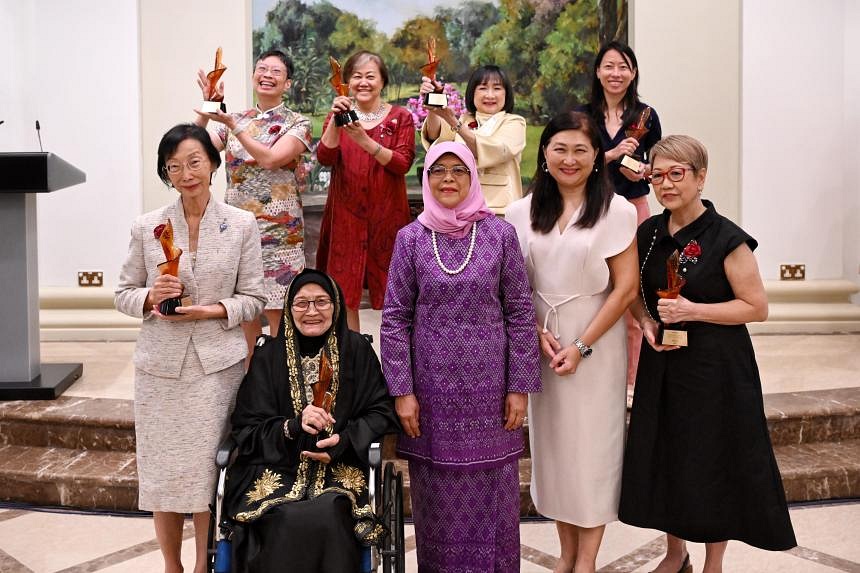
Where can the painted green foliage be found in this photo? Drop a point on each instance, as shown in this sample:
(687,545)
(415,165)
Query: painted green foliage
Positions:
(545,46)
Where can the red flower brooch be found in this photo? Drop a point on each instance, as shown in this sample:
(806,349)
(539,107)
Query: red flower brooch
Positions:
(691,253)
(473,125)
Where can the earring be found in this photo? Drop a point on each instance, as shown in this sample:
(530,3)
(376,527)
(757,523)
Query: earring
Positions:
(544,167)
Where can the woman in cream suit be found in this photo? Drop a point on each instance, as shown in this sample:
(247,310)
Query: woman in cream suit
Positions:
(495,136)
(188,366)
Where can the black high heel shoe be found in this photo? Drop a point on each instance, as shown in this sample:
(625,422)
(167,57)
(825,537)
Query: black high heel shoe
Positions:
(686,566)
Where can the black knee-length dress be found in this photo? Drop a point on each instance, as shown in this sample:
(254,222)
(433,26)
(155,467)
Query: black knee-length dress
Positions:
(699,462)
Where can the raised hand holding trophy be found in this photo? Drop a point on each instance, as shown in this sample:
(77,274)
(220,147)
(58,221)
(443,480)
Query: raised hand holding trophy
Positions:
(211,105)
(437,98)
(336,81)
(164,234)
(672,334)
(636,131)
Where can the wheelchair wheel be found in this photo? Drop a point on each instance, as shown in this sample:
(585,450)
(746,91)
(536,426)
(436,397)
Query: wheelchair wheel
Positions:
(393,550)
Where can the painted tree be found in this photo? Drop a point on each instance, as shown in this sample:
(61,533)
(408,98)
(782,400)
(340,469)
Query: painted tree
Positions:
(566,60)
(463,26)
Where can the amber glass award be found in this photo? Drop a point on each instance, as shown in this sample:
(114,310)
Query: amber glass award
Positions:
(210,105)
(672,334)
(636,131)
(336,81)
(437,98)
(323,396)
(164,234)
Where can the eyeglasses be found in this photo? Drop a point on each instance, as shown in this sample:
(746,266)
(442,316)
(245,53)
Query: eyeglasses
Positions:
(440,171)
(675,175)
(320,304)
(194,165)
(274,72)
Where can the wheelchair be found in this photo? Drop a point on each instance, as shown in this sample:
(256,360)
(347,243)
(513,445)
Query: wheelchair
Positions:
(386,499)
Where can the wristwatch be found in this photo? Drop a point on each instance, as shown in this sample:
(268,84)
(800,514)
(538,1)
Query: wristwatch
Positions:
(584,350)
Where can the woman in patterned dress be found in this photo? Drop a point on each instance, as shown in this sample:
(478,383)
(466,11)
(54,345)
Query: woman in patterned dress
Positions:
(262,147)
(460,354)
(366,203)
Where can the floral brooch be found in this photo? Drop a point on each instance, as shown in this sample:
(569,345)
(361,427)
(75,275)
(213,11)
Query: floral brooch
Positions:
(473,125)
(690,254)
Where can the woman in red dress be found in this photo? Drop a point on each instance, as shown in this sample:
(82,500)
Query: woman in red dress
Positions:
(366,203)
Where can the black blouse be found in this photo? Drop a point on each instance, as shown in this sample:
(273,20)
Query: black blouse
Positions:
(623,186)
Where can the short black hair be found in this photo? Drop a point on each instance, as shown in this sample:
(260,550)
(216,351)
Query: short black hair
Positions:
(288,63)
(176,135)
(482,75)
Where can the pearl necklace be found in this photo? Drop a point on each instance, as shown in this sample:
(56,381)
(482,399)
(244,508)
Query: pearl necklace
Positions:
(372,116)
(641,272)
(459,269)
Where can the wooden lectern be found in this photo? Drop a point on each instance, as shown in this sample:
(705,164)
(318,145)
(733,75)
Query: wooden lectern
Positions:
(22,376)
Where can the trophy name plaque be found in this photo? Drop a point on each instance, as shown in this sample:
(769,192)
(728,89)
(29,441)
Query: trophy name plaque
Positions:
(672,334)
(636,131)
(436,98)
(210,105)
(164,234)
(336,81)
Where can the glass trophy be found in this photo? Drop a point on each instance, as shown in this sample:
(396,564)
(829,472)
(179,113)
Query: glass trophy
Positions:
(336,81)
(672,334)
(210,105)
(164,234)
(437,98)
(637,131)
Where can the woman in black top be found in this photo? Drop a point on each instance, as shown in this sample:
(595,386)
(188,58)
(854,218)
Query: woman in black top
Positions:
(616,108)
(699,463)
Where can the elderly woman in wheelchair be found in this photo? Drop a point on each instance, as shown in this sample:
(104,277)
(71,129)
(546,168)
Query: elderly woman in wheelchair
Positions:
(297,493)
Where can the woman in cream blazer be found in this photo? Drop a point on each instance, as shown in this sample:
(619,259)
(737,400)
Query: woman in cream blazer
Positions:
(188,366)
(495,136)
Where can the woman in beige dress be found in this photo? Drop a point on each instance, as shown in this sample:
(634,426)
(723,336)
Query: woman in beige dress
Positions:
(494,135)
(577,237)
(188,365)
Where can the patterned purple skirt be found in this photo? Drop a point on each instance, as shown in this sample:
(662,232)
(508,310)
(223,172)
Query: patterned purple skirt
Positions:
(466,521)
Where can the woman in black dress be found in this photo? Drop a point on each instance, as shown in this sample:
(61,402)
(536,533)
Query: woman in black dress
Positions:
(298,489)
(699,463)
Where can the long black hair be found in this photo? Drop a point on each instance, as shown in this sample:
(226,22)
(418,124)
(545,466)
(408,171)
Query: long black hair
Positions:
(631,102)
(547,205)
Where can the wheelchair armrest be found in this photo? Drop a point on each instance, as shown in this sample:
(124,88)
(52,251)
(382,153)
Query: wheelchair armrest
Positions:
(374,455)
(225,448)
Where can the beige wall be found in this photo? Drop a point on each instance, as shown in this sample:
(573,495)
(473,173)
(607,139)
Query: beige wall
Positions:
(176,39)
(689,58)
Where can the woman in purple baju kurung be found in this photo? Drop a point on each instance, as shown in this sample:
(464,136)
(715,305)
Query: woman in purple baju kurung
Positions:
(460,354)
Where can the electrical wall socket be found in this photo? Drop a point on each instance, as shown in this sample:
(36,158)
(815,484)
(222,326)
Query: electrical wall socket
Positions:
(792,272)
(91,278)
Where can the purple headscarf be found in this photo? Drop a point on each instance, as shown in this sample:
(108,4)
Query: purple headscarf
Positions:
(456,222)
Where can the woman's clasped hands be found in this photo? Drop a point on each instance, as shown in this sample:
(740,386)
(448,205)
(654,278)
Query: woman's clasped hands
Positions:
(563,360)
(314,420)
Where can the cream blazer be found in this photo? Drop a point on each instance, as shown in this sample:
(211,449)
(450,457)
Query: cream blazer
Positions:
(500,144)
(228,269)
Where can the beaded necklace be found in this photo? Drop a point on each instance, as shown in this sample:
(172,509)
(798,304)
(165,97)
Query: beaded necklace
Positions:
(459,269)
(372,116)
(641,271)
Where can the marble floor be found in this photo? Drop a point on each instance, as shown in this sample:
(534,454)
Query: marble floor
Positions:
(63,542)
(44,541)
